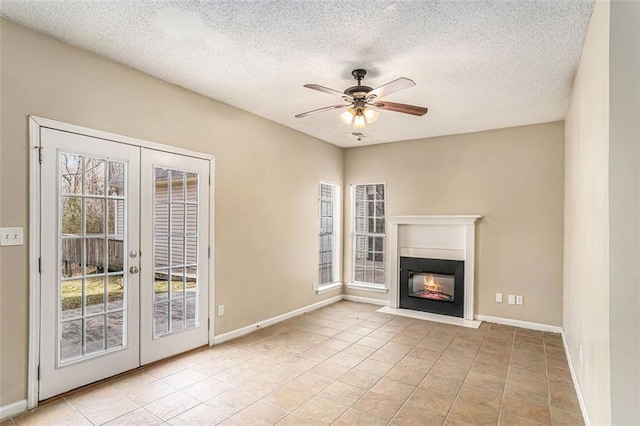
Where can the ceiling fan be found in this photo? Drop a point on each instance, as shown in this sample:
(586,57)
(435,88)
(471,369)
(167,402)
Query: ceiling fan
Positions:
(362,101)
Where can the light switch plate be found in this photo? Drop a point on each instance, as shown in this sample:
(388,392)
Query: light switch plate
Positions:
(11,236)
(511,299)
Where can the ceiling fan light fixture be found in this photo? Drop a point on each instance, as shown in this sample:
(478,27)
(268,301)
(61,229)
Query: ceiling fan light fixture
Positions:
(347,116)
(371,115)
(359,118)
(359,121)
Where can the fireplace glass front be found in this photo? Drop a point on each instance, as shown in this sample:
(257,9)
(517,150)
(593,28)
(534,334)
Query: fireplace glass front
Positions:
(432,286)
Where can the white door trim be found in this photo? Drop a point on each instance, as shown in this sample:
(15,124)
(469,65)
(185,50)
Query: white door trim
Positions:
(34,263)
(35,125)
(212,251)
(99,134)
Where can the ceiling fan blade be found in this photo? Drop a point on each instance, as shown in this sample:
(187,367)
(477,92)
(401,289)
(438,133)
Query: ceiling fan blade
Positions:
(326,90)
(404,108)
(392,87)
(304,114)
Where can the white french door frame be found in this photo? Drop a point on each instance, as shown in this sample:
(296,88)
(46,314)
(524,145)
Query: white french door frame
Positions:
(35,126)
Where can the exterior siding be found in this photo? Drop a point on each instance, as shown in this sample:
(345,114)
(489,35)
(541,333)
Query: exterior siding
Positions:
(161,219)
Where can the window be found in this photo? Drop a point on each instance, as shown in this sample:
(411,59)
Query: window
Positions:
(368,237)
(328,235)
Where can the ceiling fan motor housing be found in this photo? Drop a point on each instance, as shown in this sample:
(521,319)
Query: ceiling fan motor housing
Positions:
(359,91)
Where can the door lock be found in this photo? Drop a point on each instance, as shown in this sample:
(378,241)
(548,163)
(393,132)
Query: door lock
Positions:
(133,254)
(133,269)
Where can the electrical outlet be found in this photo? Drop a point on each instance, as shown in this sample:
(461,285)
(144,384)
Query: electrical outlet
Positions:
(11,236)
(511,299)
(220,310)
(519,300)
(498,297)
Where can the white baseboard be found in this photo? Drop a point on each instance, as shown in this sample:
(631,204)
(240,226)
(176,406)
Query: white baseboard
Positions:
(12,409)
(270,321)
(370,300)
(576,384)
(521,324)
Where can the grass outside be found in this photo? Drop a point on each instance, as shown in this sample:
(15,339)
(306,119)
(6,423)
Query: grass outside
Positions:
(72,291)
(161,286)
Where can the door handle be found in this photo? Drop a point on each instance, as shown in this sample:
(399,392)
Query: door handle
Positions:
(133,269)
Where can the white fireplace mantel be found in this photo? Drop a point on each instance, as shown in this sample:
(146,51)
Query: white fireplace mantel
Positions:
(447,237)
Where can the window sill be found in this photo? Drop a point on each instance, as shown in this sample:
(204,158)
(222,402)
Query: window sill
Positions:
(376,288)
(328,287)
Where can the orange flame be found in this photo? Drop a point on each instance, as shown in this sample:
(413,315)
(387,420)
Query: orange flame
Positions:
(432,285)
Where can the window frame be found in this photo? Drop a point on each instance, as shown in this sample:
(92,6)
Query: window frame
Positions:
(363,285)
(337,239)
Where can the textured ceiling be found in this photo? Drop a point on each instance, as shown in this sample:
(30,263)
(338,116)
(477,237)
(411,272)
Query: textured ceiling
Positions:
(477,65)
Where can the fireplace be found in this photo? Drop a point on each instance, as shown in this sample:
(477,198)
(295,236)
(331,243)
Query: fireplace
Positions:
(432,285)
(433,238)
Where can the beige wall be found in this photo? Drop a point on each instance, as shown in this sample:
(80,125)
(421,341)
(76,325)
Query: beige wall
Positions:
(512,177)
(624,210)
(266,180)
(586,243)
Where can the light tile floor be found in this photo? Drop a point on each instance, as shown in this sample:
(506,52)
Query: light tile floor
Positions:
(344,364)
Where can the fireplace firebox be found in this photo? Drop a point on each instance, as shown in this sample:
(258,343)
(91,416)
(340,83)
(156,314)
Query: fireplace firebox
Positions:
(432,285)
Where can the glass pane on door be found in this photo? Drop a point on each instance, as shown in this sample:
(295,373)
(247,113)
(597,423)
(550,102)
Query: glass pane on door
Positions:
(175,250)
(92,285)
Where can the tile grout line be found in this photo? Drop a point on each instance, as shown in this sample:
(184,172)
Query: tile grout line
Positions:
(416,387)
(546,378)
(76,409)
(382,377)
(546,375)
(334,381)
(455,399)
(506,378)
(352,368)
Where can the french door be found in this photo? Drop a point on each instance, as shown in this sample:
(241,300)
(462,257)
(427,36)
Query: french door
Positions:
(124,242)
(175,298)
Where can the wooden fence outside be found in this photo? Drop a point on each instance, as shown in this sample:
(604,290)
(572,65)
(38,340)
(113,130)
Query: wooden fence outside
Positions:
(72,254)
